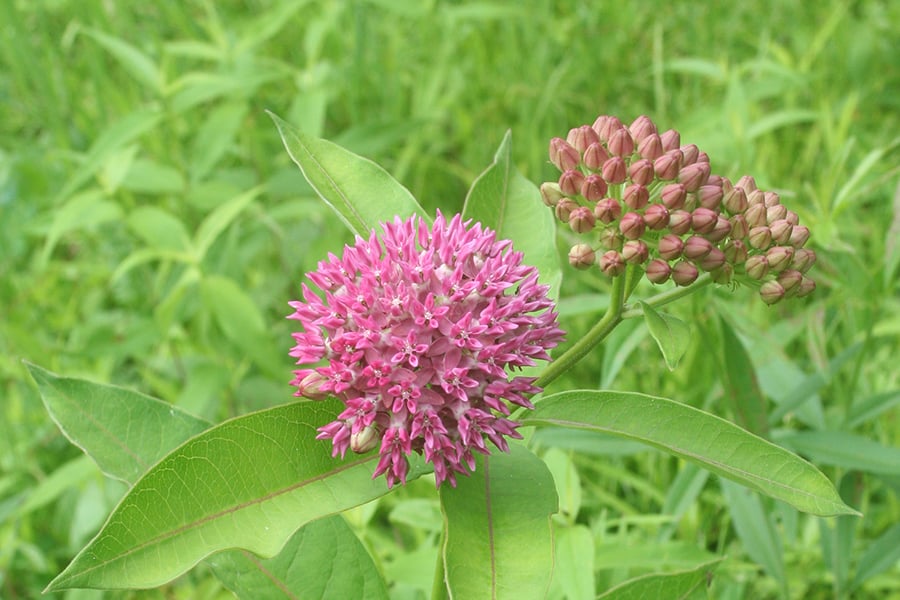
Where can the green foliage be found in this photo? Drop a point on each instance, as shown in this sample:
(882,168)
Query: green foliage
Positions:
(152,229)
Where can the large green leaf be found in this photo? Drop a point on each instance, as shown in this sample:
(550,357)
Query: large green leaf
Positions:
(248,483)
(498,541)
(680,585)
(720,446)
(324,559)
(358,190)
(504,200)
(123,431)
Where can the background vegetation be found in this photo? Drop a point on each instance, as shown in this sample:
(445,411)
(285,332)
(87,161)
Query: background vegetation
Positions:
(152,230)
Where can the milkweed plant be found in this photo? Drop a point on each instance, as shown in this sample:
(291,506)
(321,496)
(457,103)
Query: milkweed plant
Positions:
(422,350)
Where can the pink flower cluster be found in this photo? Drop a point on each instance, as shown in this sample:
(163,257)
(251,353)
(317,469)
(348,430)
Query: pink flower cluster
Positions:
(652,201)
(419,329)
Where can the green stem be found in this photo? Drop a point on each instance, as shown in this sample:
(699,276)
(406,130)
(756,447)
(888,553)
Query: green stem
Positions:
(667,297)
(593,337)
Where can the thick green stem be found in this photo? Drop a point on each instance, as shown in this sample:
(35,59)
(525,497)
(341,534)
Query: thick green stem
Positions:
(667,297)
(593,337)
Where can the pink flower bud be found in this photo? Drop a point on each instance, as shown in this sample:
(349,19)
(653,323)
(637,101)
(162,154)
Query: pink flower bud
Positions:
(564,208)
(803,259)
(760,237)
(779,258)
(607,210)
(563,156)
(756,197)
(615,170)
(641,128)
(684,273)
(594,187)
(792,218)
(748,183)
(807,286)
(612,263)
(735,201)
(771,292)
(641,172)
(620,143)
(739,227)
(735,252)
(703,220)
(713,260)
(755,215)
(550,193)
(635,196)
(635,252)
(691,153)
(656,217)
(679,222)
(582,256)
(667,166)
(696,247)
(365,439)
(693,176)
(710,196)
(723,275)
(310,385)
(799,236)
(790,280)
(658,271)
(611,239)
(581,220)
(632,225)
(671,140)
(650,147)
(670,246)
(720,231)
(781,231)
(594,156)
(703,157)
(605,126)
(570,182)
(673,195)
(776,212)
(771,199)
(757,266)
(582,137)
(724,182)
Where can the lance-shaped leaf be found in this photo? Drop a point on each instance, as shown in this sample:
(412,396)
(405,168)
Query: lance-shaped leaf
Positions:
(672,335)
(358,190)
(504,200)
(123,431)
(680,585)
(126,432)
(714,443)
(498,541)
(324,559)
(248,483)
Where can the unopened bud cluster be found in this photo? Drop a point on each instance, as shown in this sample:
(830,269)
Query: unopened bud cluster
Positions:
(646,199)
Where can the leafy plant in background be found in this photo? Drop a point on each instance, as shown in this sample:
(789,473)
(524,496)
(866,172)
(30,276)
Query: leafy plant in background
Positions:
(423,326)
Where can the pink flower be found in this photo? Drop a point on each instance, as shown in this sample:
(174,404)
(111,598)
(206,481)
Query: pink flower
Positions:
(420,330)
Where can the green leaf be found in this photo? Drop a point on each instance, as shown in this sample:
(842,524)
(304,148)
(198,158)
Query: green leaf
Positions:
(679,585)
(504,200)
(847,450)
(124,432)
(741,384)
(248,483)
(498,540)
(880,555)
(158,228)
(215,136)
(575,562)
(672,335)
(220,218)
(324,559)
(360,192)
(132,60)
(720,446)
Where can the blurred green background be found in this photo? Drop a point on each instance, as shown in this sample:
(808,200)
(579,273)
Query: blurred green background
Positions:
(152,230)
